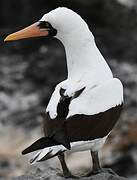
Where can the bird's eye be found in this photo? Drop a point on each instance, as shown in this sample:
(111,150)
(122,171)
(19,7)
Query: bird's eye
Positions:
(47,24)
(44,25)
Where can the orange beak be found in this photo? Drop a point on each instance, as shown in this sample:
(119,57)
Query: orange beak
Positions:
(28,32)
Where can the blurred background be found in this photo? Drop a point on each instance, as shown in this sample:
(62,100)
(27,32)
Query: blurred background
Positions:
(30,69)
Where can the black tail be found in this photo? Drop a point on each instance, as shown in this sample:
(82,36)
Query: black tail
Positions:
(40,144)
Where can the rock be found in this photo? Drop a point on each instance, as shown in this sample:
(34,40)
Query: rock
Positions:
(53,173)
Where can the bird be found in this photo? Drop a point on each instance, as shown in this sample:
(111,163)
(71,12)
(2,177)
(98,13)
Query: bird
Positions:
(83,108)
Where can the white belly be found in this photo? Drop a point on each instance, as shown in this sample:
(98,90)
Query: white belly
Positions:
(93,145)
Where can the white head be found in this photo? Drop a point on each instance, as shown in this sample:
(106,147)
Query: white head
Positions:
(61,23)
(66,22)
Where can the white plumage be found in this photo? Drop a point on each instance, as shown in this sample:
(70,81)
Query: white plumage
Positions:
(93,100)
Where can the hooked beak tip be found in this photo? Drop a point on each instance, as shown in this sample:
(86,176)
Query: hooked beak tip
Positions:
(7,39)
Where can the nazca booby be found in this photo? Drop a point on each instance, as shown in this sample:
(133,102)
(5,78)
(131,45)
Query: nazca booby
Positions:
(84,108)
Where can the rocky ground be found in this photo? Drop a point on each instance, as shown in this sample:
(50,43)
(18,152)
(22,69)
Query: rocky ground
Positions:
(52,174)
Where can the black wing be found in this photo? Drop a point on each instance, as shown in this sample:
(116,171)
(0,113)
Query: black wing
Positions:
(56,128)
(90,127)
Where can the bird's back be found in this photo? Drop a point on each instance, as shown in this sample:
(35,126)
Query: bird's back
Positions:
(68,127)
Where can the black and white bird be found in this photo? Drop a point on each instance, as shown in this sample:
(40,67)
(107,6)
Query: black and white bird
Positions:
(84,108)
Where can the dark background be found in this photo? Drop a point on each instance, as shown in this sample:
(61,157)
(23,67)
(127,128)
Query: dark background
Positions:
(30,69)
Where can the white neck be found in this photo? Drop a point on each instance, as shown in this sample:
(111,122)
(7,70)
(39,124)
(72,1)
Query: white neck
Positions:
(84,58)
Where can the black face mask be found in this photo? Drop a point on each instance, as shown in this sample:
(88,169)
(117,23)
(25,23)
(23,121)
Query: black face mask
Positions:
(46,25)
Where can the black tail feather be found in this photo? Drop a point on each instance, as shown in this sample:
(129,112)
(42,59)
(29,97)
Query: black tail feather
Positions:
(40,144)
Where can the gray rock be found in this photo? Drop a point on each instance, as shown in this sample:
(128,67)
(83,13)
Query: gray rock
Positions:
(53,174)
